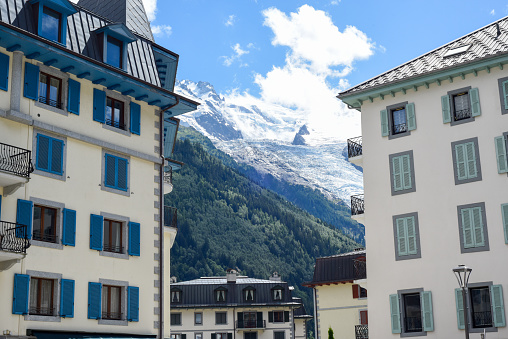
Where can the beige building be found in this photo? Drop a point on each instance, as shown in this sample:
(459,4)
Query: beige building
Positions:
(236,307)
(433,150)
(340,296)
(85,98)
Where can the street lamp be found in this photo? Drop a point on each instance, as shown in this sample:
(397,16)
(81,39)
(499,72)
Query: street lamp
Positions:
(462,273)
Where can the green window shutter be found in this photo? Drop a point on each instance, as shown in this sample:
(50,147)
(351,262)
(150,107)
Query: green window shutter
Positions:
(401,236)
(470,153)
(67,298)
(397,174)
(504,213)
(395,313)
(460,161)
(73,99)
(501,155)
(406,172)
(505,93)
(31,88)
(4,72)
(459,303)
(474,98)
(411,117)
(496,299)
(476,217)
(467,228)
(384,123)
(69,227)
(20,294)
(445,105)
(427,313)
(411,235)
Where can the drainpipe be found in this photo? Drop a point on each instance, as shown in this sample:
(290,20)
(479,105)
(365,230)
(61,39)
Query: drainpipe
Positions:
(161,220)
(316,333)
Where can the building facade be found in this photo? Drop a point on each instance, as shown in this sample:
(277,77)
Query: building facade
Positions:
(85,97)
(433,150)
(340,296)
(236,307)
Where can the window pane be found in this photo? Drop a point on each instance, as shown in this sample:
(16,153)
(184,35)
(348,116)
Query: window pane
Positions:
(412,313)
(50,24)
(54,89)
(118,113)
(49,221)
(115,300)
(399,121)
(43,85)
(109,110)
(37,220)
(116,234)
(46,296)
(481,310)
(34,292)
(114,51)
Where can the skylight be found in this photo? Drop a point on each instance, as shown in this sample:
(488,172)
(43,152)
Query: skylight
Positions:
(456,50)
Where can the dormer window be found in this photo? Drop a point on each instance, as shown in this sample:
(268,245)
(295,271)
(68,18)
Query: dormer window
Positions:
(249,294)
(113,40)
(176,296)
(220,295)
(114,52)
(277,294)
(51,27)
(51,18)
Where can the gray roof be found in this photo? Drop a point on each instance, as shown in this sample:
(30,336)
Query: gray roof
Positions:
(336,268)
(486,42)
(222,280)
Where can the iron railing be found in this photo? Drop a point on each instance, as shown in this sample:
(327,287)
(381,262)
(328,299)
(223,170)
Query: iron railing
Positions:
(47,311)
(16,160)
(400,128)
(360,269)
(462,114)
(13,237)
(112,315)
(113,249)
(354,147)
(115,124)
(251,324)
(362,332)
(482,319)
(49,102)
(168,176)
(37,235)
(357,204)
(413,324)
(170,216)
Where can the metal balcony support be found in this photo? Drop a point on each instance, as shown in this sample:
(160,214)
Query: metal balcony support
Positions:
(357,204)
(354,147)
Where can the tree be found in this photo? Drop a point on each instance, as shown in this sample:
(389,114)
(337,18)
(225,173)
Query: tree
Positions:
(330,333)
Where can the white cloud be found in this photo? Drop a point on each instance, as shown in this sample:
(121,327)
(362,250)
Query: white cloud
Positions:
(237,54)
(150,8)
(382,48)
(161,30)
(493,12)
(335,2)
(230,21)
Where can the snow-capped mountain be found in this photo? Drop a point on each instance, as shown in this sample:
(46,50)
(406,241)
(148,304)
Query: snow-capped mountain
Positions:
(273,139)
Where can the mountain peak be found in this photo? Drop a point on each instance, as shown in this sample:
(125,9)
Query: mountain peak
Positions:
(299,137)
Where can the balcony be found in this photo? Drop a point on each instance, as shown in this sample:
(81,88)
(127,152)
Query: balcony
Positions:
(354,150)
(15,167)
(13,243)
(360,268)
(168,180)
(170,217)
(250,324)
(357,207)
(362,332)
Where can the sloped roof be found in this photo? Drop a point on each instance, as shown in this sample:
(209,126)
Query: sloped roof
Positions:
(335,269)
(486,42)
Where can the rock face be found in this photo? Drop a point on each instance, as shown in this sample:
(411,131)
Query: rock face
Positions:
(299,137)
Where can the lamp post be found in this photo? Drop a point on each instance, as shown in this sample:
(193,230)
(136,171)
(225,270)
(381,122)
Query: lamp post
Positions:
(462,273)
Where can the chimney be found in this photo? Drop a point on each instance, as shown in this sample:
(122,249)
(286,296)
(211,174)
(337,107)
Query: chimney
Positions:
(275,277)
(231,276)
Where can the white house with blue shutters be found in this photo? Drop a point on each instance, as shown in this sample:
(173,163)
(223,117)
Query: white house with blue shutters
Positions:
(434,154)
(87,129)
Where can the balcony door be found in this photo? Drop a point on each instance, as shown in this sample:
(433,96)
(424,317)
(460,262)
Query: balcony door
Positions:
(249,319)
(250,335)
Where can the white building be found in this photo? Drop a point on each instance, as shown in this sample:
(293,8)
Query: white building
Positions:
(433,150)
(85,94)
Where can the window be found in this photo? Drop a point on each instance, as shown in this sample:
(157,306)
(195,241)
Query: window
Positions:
(221,318)
(116,172)
(176,296)
(359,292)
(198,335)
(176,318)
(398,120)
(50,155)
(411,312)
(364,317)
(220,295)
(466,160)
(114,52)
(221,335)
(480,307)
(503,94)
(176,336)
(198,318)
(113,241)
(473,228)
(402,176)
(249,294)
(501,154)
(111,302)
(42,296)
(406,236)
(249,320)
(460,106)
(115,113)
(278,316)
(278,335)
(51,27)
(277,293)
(249,335)
(44,224)
(50,90)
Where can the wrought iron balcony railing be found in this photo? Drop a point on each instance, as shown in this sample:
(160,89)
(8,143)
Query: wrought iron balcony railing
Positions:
(49,102)
(16,160)
(462,114)
(413,324)
(360,269)
(113,249)
(482,319)
(47,311)
(170,216)
(354,147)
(168,176)
(399,128)
(13,237)
(251,324)
(357,204)
(362,332)
(112,315)
(116,124)
(37,235)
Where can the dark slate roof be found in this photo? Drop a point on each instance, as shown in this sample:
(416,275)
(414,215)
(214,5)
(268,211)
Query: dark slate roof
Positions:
(335,269)
(486,42)
(301,312)
(200,292)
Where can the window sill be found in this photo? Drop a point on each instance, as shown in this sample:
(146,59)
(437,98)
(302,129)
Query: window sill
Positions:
(398,135)
(460,122)
(413,334)
(46,244)
(50,175)
(113,322)
(54,319)
(117,130)
(114,190)
(114,255)
(51,108)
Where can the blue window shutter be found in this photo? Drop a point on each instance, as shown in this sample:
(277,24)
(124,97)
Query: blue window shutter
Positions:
(412,247)
(496,298)
(411,117)
(467,227)
(476,218)
(96,226)
(73,99)
(94,300)
(4,72)
(57,147)
(132,303)
(406,172)
(24,217)
(122,168)
(69,227)
(460,161)
(459,303)
(43,153)
(474,98)
(135,118)
(134,238)
(397,173)
(445,106)
(395,313)
(20,296)
(505,93)
(384,123)
(471,170)
(504,213)
(31,88)
(110,168)
(501,155)
(99,105)
(427,313)
(67,298)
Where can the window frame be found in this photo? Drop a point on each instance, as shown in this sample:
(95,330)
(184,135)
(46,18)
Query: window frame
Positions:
(117,42)
(281,313)
(279,333)
(42,228)
(418,254)
(245,293)
(217,313)
(111,189)
(389,112)
(403,333)
(217,293)
(58,226)
(486,246)
(109,302)
(477,162)
(196,318)
(504,110)
(35,147)
(59,102)
(56,296)
(412,172)
(125,235)
(470,307)
(451,95)
(176,292)
(122,125)
(64,89)
(39,297)
(109,246)
(173,317)
(123,297)
(277,288)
